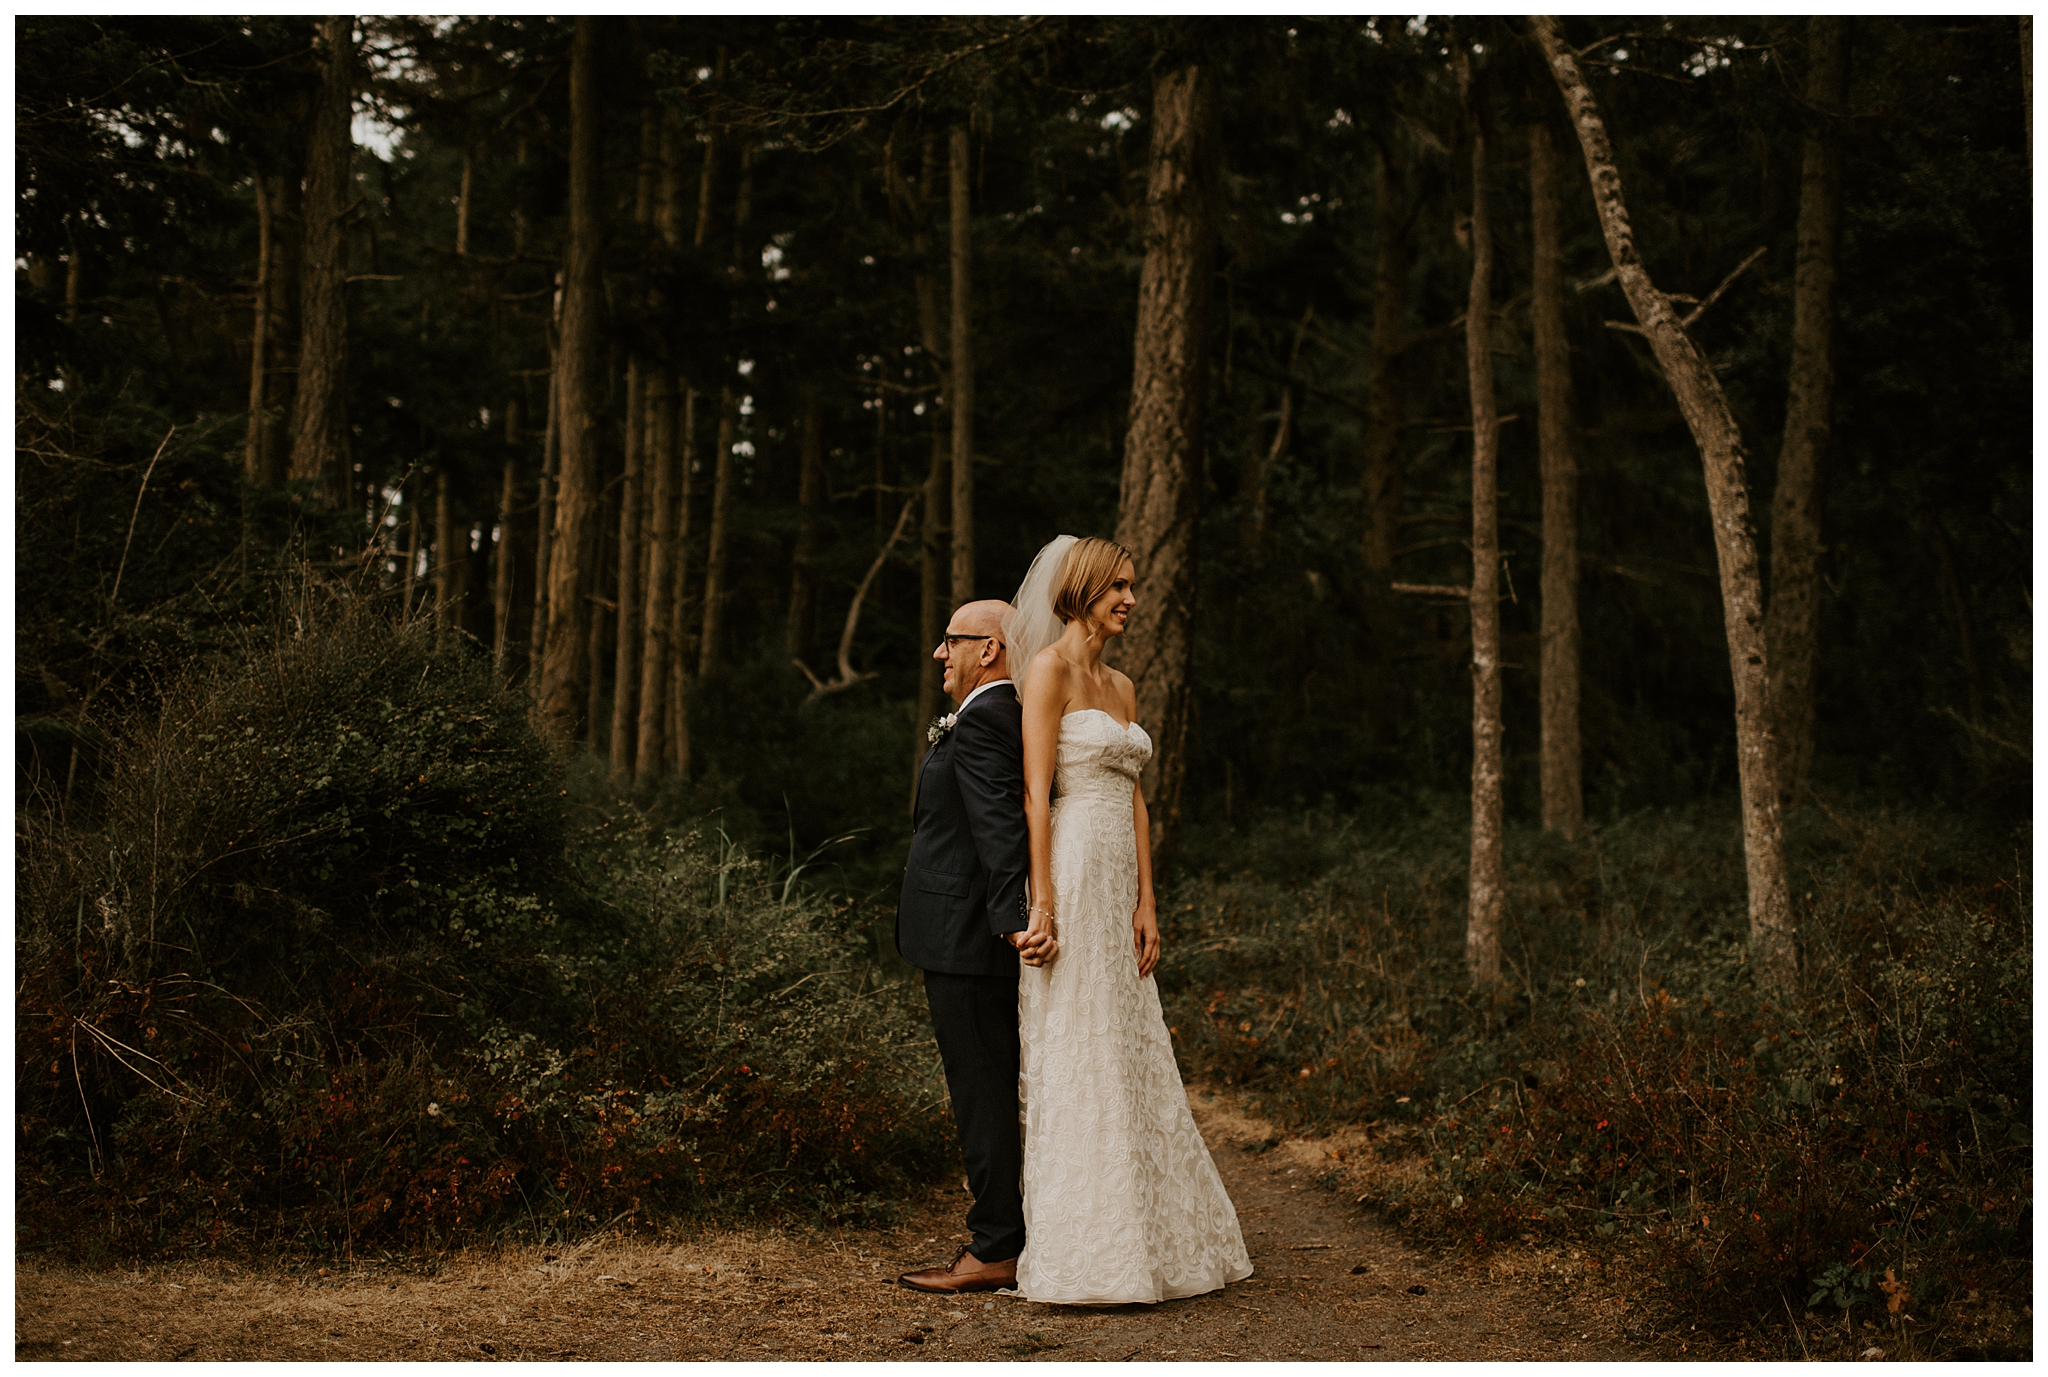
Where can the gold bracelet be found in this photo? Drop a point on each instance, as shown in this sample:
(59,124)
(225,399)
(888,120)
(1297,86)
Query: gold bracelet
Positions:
(1036,909)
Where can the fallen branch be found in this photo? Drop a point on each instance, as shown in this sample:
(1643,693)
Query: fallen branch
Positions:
(821,688)
(1433,590)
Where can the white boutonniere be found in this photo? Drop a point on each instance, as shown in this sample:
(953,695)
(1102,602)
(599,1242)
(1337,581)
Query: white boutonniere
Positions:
(939,727)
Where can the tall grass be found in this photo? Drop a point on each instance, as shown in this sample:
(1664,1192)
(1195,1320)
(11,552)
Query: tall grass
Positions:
(1859,1143)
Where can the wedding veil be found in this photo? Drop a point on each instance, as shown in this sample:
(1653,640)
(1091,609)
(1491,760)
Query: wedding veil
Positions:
(1030,625)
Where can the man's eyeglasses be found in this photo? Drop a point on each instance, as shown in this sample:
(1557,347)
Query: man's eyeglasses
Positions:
(951,640)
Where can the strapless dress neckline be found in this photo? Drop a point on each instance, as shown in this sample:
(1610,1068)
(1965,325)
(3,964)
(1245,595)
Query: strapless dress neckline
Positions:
(1077,712)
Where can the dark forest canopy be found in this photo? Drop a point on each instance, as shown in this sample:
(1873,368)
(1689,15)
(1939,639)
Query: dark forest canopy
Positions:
(770,227)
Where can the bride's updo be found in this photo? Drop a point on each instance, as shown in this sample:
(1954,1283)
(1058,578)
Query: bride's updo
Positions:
(1086,574)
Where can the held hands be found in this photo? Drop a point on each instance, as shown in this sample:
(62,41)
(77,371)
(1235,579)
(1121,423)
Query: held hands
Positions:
(1145,933)
(1038,944)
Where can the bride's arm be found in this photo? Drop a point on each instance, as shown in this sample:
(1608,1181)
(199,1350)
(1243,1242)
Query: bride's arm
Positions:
(1145,917)
(1045,697)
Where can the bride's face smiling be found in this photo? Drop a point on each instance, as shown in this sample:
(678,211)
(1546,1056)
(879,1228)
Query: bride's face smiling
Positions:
(1111,612)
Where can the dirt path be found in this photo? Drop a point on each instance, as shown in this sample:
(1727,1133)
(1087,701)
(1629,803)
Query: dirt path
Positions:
(1332,1282)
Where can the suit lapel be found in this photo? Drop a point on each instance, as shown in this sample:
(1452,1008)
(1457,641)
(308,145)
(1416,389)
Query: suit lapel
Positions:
(917,785)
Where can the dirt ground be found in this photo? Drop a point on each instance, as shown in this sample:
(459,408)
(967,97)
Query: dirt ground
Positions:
(1332,1282)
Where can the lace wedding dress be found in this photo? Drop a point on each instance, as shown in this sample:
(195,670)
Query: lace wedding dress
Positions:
(1121,1200)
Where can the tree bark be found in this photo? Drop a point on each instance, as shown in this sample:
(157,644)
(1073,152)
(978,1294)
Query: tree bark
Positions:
(462,201)
(1792,626)
(679,626)
(934,517)
(544,521)
(255,459)
(1713,427)
(960,396)
(596,724)
(502,572)
(657,648)
(801,629)
(449,554)
(1487,888)
(565,672)
(1564,808)
(1160,492)
(320,440)
(717,535)
(1386,415)
(412,561)
(630,638)
(2027,80)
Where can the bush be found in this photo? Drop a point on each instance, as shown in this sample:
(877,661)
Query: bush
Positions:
(340,963)
(1863,1141)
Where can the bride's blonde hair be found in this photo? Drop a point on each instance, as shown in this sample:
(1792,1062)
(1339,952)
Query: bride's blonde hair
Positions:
(1086,574)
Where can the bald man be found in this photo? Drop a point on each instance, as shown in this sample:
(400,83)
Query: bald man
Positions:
(962,921)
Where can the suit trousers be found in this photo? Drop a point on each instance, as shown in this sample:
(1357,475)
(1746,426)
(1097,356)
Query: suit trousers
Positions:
(975,1018)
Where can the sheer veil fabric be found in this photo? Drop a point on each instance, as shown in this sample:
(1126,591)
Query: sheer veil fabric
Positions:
(1030,626)
(1122,1202)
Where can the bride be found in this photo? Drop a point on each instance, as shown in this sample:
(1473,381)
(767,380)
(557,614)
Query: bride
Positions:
(1121,1200)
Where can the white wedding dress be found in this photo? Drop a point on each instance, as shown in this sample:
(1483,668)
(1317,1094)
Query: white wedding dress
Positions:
(1121,1200)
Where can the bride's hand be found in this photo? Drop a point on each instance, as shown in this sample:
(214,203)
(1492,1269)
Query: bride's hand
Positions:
(1145,932)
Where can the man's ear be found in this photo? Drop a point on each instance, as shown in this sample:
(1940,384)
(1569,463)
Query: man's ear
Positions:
(990,648)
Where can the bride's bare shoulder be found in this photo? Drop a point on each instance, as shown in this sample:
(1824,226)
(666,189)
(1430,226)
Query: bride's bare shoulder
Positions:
(1048,668)
(1126,691)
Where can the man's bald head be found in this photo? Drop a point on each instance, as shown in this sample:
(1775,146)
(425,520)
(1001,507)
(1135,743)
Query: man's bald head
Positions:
(984,618)
(972,663)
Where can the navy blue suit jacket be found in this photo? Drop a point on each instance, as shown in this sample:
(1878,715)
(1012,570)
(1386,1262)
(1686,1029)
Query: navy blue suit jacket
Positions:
(970,851)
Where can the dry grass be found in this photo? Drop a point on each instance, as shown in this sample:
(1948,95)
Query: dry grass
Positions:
(1332,1282)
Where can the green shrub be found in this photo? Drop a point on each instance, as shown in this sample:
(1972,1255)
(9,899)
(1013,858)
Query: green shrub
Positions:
(1863,1140)
(340,963)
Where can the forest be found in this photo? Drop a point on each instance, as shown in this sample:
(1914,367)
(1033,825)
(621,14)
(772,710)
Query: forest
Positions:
(487,490)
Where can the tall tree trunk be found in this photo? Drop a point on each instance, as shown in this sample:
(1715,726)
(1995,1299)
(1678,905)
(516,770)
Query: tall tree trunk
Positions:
(933,586)
(1487,886)
(657,647)
(544,521)
(651,702)
(1160,492)
(255,468)
(717,535)
(1713,427)
(1792,625)
(565,672)
(960,398)
(502,572)
(2027,80)
(596,724)
(462,201)
(626,654)
(450,550)
(679,628)
(320,448)
(810,497)
(412,558)
(1564,808)
(280,388)
(1386,415)
(632,511)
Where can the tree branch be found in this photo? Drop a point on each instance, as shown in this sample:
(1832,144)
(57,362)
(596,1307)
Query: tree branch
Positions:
(821,688)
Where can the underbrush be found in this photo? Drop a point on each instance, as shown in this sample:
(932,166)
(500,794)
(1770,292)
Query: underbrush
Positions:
(334,963)
(1856,1148)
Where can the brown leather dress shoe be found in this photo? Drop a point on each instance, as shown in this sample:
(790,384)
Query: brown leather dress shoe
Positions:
(968,1273)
